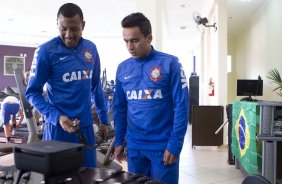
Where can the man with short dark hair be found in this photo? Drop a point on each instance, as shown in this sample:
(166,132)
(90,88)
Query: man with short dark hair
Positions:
(150,105)
(70,67)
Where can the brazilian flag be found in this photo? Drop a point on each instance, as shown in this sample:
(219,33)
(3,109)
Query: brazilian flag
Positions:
(245,127)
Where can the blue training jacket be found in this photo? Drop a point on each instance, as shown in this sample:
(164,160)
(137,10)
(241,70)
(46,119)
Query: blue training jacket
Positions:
(151,103)
(72,77)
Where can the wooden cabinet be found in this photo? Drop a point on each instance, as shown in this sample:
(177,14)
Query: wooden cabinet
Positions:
(205,121)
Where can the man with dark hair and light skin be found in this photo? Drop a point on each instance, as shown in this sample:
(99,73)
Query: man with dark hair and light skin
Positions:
(70,67)
(150,105)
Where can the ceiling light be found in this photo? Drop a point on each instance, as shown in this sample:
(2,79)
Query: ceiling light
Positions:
(184,5)
(183,27)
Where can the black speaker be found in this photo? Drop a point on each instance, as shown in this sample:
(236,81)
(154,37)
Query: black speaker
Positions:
(193,93)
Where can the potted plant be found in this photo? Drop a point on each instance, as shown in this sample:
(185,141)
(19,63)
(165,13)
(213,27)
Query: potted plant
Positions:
(275,77)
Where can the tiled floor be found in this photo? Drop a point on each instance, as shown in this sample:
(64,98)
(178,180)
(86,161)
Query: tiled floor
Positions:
(206,165)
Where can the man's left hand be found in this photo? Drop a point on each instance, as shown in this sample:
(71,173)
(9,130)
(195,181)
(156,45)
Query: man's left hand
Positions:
(103,131)
(169,158)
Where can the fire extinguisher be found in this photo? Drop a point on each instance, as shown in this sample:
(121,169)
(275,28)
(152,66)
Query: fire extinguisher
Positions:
(211,87)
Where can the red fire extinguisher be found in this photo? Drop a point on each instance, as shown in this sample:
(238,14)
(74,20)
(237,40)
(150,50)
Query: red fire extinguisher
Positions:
(211,87)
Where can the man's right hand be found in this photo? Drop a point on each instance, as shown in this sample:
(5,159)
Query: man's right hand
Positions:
(67,124)
(119,154)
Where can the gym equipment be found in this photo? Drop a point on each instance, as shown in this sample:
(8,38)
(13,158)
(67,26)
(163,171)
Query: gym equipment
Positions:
(9,91)
(231,157)
(193,89)
(31,124)
(112,175)
(54,159)
(22,134)
(28,132)
(88,176)
(3,95)
(18,138)
(32,134)
(270,116)
(109,156)
(6,148)
(255,179)
(193,93)
(104,160)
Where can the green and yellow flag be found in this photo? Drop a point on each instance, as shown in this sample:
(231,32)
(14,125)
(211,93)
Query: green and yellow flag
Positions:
(242,133)
(245,147)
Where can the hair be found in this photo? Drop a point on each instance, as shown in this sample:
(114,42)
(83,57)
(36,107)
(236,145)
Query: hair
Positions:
(70,10)
(139,20)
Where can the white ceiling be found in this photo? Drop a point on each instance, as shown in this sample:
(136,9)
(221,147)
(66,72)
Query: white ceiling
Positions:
(31,22)
(241,12)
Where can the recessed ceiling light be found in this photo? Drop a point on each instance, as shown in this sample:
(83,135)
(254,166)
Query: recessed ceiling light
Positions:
(183,27)
(184,5)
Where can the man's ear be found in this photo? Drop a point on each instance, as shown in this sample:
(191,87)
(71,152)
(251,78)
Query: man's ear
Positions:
(150,37)
(83,25)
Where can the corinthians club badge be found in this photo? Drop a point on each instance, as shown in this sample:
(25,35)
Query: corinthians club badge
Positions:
(88,56)
(156,74)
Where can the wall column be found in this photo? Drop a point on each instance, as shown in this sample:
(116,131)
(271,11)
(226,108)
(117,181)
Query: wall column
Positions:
(153,10)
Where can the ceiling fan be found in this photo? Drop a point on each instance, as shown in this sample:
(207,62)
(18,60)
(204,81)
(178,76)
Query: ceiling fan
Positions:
(202,21)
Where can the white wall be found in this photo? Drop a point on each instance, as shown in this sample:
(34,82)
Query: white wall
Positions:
(258,48)
(185,55)
(213,53)
(112,51)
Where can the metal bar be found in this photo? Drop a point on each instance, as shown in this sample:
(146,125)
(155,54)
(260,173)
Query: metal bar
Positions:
(221,127)
(31,124)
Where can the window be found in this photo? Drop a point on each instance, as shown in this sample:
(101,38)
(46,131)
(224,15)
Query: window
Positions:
(13,62)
